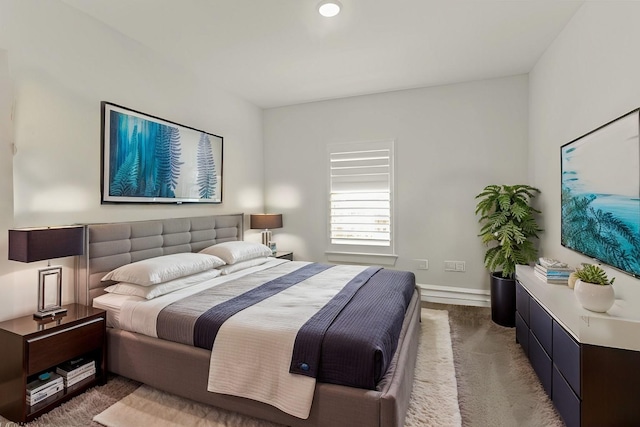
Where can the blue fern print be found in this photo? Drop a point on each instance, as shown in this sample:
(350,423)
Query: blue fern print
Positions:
(207,178)
(168,150)
(132,141)
(125,183)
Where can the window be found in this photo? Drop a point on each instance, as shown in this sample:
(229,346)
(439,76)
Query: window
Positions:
(361,199)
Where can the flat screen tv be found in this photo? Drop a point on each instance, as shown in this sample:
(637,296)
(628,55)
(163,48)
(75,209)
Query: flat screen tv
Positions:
(601,194)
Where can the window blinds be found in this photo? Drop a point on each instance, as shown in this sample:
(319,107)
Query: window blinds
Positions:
(360,196)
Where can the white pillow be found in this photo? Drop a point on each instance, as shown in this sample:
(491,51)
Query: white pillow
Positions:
(228,269)
(160,269)
(233,252)
(153,291)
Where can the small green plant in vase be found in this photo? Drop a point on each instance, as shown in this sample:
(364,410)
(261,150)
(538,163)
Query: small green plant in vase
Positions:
(593,288)
(592,273)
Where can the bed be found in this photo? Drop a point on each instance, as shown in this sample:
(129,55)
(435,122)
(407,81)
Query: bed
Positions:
(184,370)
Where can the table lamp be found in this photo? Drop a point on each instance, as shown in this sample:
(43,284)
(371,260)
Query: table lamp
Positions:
(38,244)
(265,222)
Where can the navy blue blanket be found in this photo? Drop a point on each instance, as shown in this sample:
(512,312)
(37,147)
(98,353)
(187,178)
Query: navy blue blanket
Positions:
(359,344)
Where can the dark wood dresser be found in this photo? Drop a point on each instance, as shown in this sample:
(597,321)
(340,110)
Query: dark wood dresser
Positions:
(588,363)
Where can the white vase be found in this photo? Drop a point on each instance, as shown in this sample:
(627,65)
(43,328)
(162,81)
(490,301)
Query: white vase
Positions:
(593,297)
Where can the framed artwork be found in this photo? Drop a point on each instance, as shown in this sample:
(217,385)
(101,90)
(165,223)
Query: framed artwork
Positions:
(146,159)
(600,214)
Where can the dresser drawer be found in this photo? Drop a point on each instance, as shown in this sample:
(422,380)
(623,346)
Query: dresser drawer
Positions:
(522,302)
(566,356)
(565,400)
(60,345)
(541,363)
(522,334)
(541,324)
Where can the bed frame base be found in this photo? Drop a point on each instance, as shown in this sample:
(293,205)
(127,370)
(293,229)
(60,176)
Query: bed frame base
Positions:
(161,364)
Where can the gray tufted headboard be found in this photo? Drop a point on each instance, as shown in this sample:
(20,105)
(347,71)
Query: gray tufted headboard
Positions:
(111,245)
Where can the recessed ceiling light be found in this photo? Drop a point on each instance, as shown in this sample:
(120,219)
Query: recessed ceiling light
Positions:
(329,8)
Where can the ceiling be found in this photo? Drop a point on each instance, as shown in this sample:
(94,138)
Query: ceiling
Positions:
(282,52)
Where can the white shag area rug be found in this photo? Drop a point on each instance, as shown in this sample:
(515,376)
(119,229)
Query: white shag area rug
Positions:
(434,400)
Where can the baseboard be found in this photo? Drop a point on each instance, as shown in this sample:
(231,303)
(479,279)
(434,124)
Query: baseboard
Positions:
(456,296)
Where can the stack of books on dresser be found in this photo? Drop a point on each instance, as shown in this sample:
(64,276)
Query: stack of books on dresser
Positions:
(45,386)
(76,370)
(553,271)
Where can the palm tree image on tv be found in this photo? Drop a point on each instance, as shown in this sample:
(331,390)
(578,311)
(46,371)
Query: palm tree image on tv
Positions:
(152,159)
(600,214)
(598,233)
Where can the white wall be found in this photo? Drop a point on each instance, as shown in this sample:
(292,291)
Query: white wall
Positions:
(62,63)
(451,141)
(587,77)
(7,288)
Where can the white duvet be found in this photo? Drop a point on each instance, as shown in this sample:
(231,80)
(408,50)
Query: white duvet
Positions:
(252,352)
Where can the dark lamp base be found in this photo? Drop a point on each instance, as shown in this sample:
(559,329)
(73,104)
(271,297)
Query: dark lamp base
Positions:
(50,312)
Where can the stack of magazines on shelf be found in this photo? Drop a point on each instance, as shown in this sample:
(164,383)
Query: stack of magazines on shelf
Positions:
(553,271)
(45,386)
(76,370)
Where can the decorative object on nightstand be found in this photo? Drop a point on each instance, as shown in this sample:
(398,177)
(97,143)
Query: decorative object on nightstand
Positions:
(39,244)
(266,222)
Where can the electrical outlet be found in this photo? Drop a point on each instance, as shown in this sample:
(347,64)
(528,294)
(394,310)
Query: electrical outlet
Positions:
(457,266)
(422,264)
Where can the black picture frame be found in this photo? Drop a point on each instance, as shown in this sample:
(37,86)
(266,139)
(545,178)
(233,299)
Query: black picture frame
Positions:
(146,159)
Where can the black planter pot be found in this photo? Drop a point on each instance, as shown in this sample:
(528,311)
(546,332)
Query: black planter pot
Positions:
(503,300)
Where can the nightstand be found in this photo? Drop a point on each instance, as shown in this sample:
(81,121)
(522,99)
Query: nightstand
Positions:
(284,255)
(31,347)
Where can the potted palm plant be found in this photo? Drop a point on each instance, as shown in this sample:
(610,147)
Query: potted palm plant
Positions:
(593,288)
(508,227)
